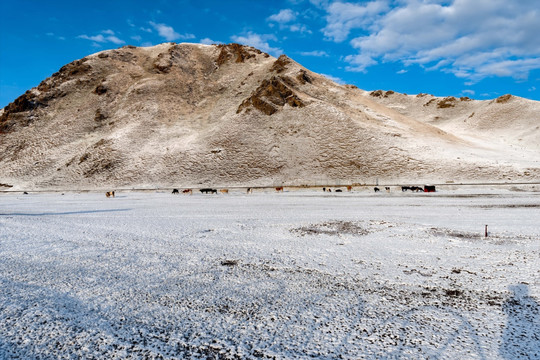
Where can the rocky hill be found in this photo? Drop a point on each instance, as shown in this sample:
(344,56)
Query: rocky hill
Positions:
(191,115)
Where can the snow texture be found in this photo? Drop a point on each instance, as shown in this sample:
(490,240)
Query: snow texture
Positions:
(298,274)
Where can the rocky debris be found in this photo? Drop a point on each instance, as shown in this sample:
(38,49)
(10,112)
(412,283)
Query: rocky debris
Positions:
(381,93)
(503,99)
(270,96)
(303,77)
(100,89)
(447,102)
(465,98)
(280,64)
(236,52)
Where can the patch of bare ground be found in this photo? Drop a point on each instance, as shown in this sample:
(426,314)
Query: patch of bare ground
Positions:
(493,238)
(331,228)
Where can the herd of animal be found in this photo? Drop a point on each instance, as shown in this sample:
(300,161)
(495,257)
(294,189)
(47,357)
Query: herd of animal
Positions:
(427,188)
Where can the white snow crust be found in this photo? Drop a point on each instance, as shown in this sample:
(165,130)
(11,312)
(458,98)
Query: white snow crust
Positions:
(299,274)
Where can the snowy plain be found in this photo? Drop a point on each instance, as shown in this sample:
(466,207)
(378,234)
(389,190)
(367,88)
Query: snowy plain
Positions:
(299,274)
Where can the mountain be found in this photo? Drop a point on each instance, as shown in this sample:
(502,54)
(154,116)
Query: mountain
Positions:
(192,115)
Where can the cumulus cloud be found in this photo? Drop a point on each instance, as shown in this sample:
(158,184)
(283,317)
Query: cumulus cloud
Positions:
(284,16)
(168,33)
(334,79)
(208,41)
(343,17)
(316,53)
(258,41)
(471,39)
(286,20)
(101,39)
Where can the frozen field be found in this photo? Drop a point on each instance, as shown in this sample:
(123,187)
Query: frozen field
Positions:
(291,275)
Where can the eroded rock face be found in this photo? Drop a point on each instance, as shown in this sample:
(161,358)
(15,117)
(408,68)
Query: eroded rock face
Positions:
(237,53)
(271,95)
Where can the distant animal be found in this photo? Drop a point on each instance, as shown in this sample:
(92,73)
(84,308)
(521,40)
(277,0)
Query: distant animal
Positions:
(339,190)
(405,188)
(329,190)
(224,191)
(349,188)
(187,191)
(175,191)
(109,194)
(25,193)
(208,190)
(387,188)
(324,189)
(279,188)
(249,190)
(416,188)
(376,189)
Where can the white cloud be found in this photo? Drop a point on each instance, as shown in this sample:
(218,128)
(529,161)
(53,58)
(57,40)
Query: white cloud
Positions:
(108,32)
(148,30)
(402,71)
(343,17)
(470,39)
(258,41)
(316,53)
(284,16)
(334,79)
(208,41)
(532,88)
(168,32)
(301,28)
(103,39)
(468,92)
(136,38)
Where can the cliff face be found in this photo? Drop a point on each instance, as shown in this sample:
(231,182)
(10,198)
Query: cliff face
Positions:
(198,115)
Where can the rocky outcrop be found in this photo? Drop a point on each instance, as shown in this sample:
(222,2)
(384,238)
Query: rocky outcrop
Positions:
(271,95)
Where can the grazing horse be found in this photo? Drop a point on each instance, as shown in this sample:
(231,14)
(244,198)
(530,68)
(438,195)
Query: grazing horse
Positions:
(249,190)
(187,191)
(279,188)
(208,190)
(109,194)
(405,188)
(376,189)
(339,190)
(175,191)
(324,189)
(349,188)
(224,191)
(387,188)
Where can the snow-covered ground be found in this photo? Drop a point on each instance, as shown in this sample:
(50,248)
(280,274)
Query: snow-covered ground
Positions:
(291,275)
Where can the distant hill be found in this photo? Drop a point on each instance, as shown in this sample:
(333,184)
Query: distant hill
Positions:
(188,115)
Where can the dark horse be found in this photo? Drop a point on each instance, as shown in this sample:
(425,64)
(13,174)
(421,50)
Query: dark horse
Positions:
(208,190)
(175,191)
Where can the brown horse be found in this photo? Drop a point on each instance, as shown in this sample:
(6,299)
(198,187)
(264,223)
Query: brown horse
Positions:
(224,191)
(187,191)
(109,194)
(349,188)
(279,188)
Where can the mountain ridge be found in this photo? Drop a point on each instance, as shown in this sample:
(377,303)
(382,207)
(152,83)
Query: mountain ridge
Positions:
(222,115)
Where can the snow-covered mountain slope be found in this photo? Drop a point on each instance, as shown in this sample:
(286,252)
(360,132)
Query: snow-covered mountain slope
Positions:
(201,115)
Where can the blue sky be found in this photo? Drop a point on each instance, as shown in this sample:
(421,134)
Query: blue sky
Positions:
(476,48)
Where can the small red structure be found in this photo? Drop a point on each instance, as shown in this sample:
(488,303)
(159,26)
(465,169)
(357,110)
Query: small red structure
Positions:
(429,188)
